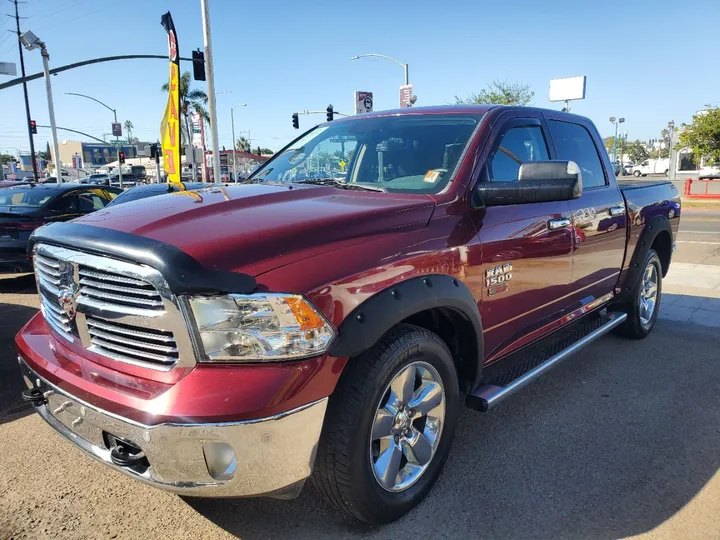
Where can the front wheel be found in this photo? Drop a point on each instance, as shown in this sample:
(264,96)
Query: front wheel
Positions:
(643,306)
(637,174)
(389,426)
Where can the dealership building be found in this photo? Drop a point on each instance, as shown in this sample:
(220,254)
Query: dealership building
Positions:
(96,154)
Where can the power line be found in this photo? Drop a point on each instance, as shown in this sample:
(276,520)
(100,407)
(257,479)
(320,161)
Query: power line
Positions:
(73,19)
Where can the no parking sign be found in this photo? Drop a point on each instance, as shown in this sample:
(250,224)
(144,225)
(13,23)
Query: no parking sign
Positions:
(363,102)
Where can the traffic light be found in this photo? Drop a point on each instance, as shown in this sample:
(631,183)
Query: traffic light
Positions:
(122,158)
(154,154)
(33,127)
(330,113)
(296,121)
(198,58)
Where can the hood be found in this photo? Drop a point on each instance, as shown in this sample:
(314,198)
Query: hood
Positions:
(255,228)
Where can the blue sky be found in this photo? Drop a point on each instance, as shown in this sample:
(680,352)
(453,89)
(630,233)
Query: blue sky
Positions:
(649,61)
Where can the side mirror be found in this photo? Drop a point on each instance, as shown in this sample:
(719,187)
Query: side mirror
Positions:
(538,181)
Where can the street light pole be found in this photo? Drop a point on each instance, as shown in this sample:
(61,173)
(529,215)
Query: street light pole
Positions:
(404,66)
(25,91)
(114,111)
(211,89)
(51,112)
(234,142)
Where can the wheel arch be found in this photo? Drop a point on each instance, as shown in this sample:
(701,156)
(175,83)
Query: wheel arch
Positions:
(439,303)
(657,235)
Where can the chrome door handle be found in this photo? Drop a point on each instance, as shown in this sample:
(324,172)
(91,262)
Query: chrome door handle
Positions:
(617,210)
(560,223)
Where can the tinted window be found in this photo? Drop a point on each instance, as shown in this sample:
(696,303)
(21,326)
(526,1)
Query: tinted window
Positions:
(574,143)
(91,201)
(66,204)
(518,145)
(24,197)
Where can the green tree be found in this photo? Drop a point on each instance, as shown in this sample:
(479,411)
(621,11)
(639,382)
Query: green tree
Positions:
(242,145)
(45,154)
(703,135)
(500,93)
(191,100)
(637,151)
(7,157)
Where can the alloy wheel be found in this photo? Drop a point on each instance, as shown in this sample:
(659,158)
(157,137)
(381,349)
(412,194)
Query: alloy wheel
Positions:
(648,294)
(407,427)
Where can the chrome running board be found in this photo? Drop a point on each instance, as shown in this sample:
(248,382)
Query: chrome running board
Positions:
(538,362)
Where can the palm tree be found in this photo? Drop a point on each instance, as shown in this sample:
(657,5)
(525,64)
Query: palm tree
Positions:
(129,127)
(191,100)
(242,145)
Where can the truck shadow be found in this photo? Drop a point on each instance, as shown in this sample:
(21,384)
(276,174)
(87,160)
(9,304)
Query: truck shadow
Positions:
(614,443)
(12,317)
(17,283)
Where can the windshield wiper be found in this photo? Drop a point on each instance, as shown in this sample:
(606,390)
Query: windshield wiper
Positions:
(335,182)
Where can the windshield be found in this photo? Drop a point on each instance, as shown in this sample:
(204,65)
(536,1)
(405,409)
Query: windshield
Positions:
(27,197)
(402,153)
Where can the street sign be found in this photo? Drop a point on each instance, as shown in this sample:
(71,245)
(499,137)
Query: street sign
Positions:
(8,68)
(406,93)
(363,102)
(117,129)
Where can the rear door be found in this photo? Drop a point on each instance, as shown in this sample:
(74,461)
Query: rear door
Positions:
(63,208)
(599,215)
(526,249)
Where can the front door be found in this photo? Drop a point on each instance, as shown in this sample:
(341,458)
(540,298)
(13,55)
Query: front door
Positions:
(599,219)
(526,249)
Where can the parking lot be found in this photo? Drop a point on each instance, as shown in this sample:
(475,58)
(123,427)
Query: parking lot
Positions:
(621,440)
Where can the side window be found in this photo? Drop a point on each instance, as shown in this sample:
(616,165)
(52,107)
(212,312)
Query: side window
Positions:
(91,201)
(574,143)
(518,145)
(67,204)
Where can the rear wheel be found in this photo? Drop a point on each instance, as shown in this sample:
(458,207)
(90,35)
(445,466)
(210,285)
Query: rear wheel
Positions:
(643,306)
(389,426)
(637,174)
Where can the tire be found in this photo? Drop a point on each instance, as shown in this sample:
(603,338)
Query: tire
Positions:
(667,171)
(636,174)
(346,459)
(638,324)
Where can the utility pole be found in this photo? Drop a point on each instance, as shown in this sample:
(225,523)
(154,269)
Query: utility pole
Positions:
(232,121)
(51,113)
(211,89)
(157,161)
(25,91)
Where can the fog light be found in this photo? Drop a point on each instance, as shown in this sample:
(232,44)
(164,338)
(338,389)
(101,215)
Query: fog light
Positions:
(220,460)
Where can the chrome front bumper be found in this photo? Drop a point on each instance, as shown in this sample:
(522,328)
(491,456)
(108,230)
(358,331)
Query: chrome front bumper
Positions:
(268,456)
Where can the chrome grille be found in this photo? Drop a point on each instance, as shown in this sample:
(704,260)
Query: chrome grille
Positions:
(130,343)
(118,290)
(123,311)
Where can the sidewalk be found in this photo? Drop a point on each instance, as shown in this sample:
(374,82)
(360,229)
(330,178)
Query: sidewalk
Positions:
(691,294)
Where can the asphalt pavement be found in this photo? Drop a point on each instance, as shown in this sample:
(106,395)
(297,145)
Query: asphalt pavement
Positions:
(623,439)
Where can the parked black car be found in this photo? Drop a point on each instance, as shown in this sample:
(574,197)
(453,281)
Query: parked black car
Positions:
(150,190)
(26,207)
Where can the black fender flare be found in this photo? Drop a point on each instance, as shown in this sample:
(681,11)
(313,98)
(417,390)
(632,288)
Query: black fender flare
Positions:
(650,231)
(368,322)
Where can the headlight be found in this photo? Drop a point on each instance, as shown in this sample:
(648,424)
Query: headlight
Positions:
(260,327)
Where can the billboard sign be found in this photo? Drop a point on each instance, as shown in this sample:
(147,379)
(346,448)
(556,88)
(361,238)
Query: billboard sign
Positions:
(567,89)
(406,93)
(117,129)
(363,102)
(77,161)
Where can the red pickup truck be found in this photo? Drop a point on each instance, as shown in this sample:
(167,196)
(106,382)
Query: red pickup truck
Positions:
(328,318)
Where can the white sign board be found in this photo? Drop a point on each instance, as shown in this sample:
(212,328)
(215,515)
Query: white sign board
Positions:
(197,130)
(8,68)
(363,102)
(567,89)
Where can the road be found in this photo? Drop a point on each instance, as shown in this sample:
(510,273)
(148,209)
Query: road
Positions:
(621,440)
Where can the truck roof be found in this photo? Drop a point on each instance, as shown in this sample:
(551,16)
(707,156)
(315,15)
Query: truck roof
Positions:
(455,109)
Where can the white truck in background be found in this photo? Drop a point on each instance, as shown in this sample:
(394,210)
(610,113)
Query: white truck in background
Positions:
(652,166)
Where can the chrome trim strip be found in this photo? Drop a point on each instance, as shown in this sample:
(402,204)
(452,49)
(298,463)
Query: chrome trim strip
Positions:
(493,395)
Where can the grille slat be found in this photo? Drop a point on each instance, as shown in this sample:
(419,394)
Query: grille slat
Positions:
(105,276)
(133,353)
(53,265)
(57,318)
(104,295)
(159,336)
(117,288)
